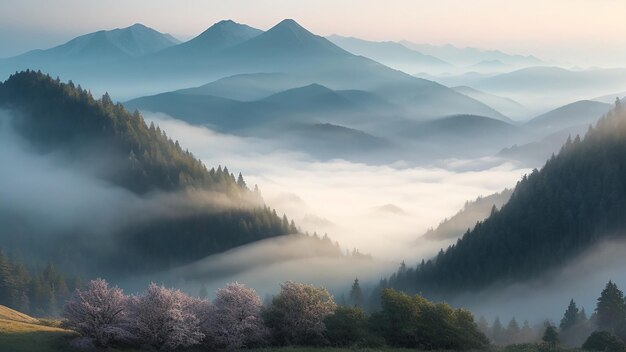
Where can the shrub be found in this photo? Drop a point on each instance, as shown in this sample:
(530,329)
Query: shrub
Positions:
(603,341)
(98,313)
(235,319)
(296,315)
(164,318)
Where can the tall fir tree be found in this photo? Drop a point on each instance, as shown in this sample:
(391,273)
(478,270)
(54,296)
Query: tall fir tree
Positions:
(611,309)
(571,316)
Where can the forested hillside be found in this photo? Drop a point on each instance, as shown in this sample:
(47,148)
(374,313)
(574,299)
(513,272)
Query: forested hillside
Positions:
(577,198)
(198,211)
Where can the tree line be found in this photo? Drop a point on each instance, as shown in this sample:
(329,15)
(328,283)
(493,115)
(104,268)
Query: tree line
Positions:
(40,293)
(66,120)
(300,314)
(577,198)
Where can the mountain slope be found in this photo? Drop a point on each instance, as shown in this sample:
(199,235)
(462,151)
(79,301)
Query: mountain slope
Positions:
(507,106)
(247,86)
(119,43)
(163,206)
(471,56)
(577,199)
(391,54)
(466,218)
(220,36)
(584,112)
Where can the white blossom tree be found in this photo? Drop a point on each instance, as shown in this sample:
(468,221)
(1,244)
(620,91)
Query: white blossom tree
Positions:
(235,320)
(98,313)
(164,318)
(297,313)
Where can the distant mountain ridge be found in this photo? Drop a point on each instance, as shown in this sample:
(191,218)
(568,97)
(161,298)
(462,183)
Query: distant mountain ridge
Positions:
(133,41)
(229,49)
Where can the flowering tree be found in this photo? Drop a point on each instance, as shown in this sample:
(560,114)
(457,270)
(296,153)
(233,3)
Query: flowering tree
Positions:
(235,320)
(98,313)
(164,319)
(297,313)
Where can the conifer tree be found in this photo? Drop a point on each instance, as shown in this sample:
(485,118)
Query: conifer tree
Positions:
(571,316)
(611,309)
(356,294)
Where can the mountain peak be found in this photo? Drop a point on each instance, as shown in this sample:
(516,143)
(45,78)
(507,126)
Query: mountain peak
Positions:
(291,25)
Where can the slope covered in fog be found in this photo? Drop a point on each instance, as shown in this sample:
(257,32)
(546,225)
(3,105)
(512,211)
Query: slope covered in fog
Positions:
(553,215)
(152,205)
(472,213)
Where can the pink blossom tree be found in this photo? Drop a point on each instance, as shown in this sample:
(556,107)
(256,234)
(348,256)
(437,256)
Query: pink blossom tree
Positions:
(297,313)
(98,313)
(235,320)
(163,318)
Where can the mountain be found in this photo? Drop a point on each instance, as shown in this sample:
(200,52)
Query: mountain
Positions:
(507,106)
(545,78)
(248,86)
(553,216)
(286,48)
(120,43)
(472,56)
(155,206)
(472,213)
(313,97)
(220,36)
(584,112)
(391,54)
(287,40)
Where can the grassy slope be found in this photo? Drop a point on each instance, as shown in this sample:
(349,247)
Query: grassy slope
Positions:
(21,333)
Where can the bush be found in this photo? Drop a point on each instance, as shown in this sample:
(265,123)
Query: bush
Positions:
(98,313)
(349,326)
(296,315)
(414,322)
(235,319)
(164,319)
(603,341)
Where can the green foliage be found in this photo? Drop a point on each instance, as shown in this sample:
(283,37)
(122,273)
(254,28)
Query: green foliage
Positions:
(603,341)
(41,294)
(414,322)
(571,316)
(578,197)
(63,119)
(551,336)
(611,309)
(356,294)
(349,326)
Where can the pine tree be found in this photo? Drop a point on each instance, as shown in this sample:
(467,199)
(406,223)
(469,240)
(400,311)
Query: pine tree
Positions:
(356,294)
(571,317)
(611,309)
(551,336)
(512,331)
(497,332)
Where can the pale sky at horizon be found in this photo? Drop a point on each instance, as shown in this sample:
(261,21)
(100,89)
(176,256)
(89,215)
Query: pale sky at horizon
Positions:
(586,32)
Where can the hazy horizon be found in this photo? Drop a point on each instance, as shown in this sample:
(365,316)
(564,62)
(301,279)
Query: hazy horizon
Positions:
(580,32)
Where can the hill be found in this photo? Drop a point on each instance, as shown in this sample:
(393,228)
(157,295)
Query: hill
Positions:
(507,106)
(472,213)
(175,209)
(583,112)
(553,215)
(22,333)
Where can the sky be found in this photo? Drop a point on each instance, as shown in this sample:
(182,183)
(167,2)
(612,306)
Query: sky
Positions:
(585,32)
